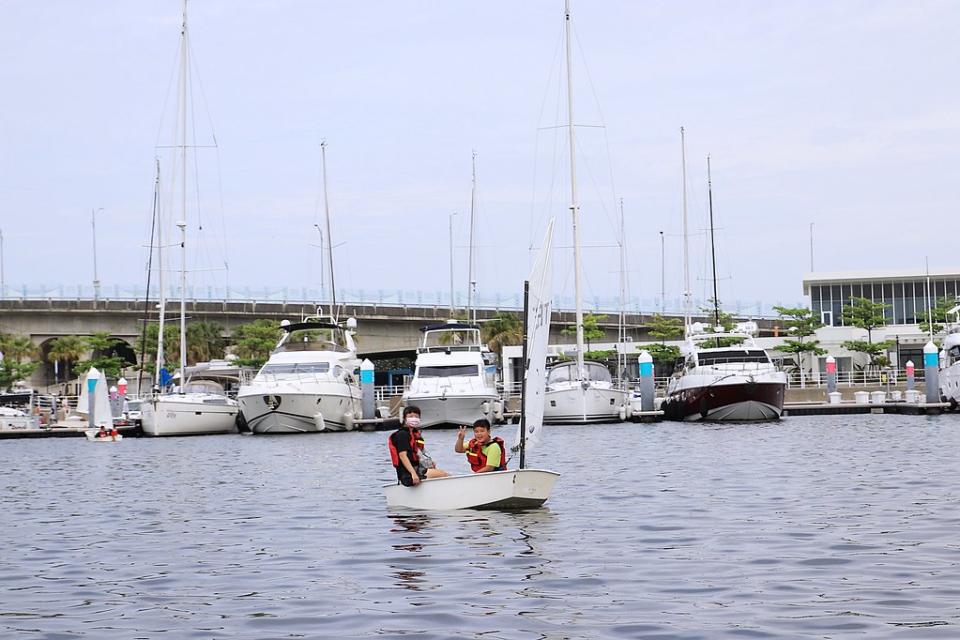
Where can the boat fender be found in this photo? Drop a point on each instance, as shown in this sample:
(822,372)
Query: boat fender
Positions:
(498,411)
(622,413)
(319,421)
(485,407)
(348,421)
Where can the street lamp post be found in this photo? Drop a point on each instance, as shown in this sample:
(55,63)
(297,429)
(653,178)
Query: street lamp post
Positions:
(3,280)
(663,278)
(96,279)
(451,261)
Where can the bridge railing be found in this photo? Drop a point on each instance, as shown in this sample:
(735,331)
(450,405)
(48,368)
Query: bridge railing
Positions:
(401,297)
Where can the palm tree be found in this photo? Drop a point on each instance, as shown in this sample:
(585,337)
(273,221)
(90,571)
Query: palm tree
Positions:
(502,330)
(17,347)
(205,342)
(67,349)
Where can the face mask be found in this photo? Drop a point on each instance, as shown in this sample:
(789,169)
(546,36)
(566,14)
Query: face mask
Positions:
(413,422)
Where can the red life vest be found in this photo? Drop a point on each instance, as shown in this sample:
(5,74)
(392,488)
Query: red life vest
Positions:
(478,460)
(416,444)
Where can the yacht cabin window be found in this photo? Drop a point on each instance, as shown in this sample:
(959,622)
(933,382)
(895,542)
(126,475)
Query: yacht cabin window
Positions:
(448,371)
(707,358)
(288,368)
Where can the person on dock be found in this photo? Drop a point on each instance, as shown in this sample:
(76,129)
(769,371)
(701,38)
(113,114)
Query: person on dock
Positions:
(407,451)
(484,453)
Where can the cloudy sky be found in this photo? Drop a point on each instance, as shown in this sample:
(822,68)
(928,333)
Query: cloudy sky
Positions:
(841,114)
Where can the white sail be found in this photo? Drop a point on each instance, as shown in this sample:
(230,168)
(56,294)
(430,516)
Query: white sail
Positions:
(538,334)
(102,414)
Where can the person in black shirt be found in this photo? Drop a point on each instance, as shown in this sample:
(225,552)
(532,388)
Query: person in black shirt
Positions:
(406,451)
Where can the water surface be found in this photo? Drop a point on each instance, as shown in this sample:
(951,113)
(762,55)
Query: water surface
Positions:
(819,527)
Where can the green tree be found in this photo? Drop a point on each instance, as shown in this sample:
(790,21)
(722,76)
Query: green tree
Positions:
(68,350)
(865,314)
(147,344)
(801,324)
(938,315)
(665,328)
(502,330)
(15,348)
(726,319)
(591,328)
(205,342)
(104,356)
(254,341)
(875,351)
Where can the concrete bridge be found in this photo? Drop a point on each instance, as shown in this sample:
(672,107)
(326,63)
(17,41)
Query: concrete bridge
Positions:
(382,330)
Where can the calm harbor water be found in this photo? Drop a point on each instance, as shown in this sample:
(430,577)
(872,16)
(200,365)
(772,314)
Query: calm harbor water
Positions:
(820,527)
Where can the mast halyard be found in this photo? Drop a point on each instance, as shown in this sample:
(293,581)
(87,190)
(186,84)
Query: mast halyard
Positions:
(574,206)
(713,250)
(687,311)
(471,278)
(326,209)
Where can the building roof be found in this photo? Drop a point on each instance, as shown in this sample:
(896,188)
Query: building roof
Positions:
(876,275)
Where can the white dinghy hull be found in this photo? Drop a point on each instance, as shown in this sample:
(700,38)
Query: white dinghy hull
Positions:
(93,436)
(517,489)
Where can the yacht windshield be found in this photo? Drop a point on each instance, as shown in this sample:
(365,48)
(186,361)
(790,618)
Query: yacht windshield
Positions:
(732,356)
(294,368)
(448,371)
(567,372)
(203,386)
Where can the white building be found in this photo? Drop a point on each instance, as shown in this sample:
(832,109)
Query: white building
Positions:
(907,292)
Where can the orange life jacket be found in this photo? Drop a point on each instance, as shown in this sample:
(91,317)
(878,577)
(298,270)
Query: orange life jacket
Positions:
(478,460)
(416,444)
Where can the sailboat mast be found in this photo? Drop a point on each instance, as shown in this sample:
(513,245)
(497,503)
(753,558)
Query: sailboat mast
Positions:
(687,311)
(326,209)
(160,284)
(622,320)
(526,367)
(713,250)
(472,282)
(574,206)
(183,204)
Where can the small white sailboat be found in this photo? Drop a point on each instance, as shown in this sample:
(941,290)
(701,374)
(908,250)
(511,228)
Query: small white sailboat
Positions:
(94,398)
(188,411)
(580,392)
(511,489)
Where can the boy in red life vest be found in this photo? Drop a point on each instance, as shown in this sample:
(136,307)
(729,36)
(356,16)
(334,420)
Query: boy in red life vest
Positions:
(114,432)
(406,451)
(484,453)
(103,432)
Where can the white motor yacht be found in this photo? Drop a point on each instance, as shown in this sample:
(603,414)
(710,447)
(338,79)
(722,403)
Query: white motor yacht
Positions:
(723,381)
(308,384)
(455,378)
(950,360)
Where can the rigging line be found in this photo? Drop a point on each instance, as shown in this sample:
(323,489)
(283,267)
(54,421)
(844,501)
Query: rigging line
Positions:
(543,107)
(603,119)
(166,98)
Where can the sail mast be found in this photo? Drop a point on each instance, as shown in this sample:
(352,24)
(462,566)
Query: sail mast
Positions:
(622,320)
(326,209)
(573,199)
(162,303)
(183,205)
(687,311)
(713,250)
(471,279)
(526,368)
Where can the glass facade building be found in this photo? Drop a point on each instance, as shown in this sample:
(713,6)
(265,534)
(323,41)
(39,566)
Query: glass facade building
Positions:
(905,293)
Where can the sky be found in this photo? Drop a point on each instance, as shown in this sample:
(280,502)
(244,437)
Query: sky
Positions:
(843,115)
